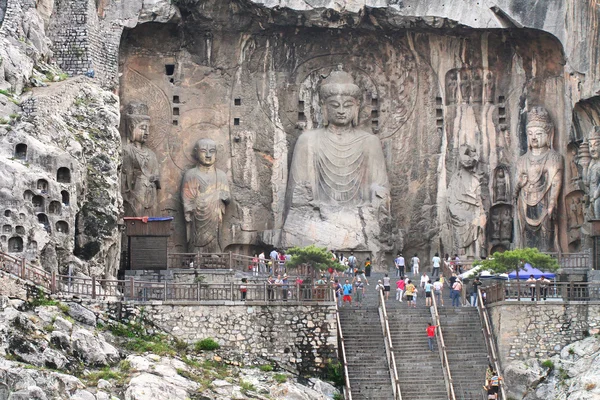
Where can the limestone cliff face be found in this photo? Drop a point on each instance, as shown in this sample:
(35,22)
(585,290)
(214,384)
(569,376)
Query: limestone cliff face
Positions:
(435,75)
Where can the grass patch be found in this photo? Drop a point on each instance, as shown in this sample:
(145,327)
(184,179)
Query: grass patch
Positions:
(41,299)
(49,328)
(106,373)
(266,368)
(143,345)
(548,364)
(246,387)
(64,307)
(571,351)
(125,366)
(207,344)
(280,378)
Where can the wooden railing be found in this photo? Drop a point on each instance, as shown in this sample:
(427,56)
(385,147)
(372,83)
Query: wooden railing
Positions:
(111,289)
(490,343)
(389,347)
(559,291)
(342,355)
(443,352)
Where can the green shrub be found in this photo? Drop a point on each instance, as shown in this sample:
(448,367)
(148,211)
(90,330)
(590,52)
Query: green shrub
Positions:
(548,364)
(125,366)
(280,378)
(63,307)
(266,368)
(40,299)
(207,344)
(246,386)
(106,373)
(571,351)
(49,328)
(334,372)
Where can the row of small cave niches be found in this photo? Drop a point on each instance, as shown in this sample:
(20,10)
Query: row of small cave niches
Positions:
(15,244)
(63,174)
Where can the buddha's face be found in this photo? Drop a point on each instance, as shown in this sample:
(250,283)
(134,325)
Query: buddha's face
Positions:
(207,153)
(468,158)
(141,132)
(538,137)
(595,148)
(341,109)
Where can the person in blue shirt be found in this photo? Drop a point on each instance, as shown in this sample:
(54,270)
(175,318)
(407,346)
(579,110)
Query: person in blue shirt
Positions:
(428,293)
(347,289)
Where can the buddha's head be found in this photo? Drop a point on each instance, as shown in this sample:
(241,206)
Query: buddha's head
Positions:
(138,122)
(205,152)
(340,97)
(468,156)
(540,129)
(594,141)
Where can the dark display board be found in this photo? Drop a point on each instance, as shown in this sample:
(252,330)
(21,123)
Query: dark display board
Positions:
(147,252)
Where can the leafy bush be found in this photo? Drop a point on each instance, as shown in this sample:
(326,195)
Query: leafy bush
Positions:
(207,344)
(266,368)
(280,378)
(334,372)
(548,364)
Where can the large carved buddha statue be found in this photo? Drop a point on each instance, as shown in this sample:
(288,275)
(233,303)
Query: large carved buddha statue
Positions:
(140,175)
(539,180)
(338,180)
(205,193)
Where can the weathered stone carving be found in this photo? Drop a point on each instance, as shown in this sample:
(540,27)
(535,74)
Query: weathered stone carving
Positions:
(205,193)
(338,184)
(489,87)
(465,85)
(506,225)
(539,175)
(592,181)
(501,187)
(451,87)
(465,204)
(140,175)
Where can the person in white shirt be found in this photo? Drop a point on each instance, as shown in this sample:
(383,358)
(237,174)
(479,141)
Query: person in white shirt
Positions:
(438,287)
(399,262)
(436,262)
(415,264)
(424,280)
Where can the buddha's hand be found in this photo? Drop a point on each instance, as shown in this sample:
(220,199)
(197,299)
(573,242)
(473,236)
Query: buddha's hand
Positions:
(188,217)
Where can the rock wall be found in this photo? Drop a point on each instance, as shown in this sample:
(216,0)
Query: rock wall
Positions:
(525,331)
(302,337)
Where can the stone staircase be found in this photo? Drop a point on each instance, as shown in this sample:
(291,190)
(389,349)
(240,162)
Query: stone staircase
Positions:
(467,353)
(368,369)
(419,370)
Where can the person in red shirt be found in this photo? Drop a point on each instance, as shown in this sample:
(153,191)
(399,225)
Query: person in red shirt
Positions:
(431,335)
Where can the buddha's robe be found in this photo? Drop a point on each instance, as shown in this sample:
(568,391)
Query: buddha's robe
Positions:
(139,181)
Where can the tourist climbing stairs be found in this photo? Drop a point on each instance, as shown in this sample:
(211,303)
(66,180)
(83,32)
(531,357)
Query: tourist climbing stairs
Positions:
(419,370)
(466,349)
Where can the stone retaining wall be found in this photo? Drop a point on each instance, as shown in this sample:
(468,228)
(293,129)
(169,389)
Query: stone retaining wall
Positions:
(526,330)
(302,337)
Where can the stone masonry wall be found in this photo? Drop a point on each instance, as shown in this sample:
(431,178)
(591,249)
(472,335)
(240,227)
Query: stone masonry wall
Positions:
(301,337)
(525,331)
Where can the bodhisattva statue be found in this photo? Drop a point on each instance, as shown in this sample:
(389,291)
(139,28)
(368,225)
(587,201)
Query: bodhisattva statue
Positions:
(140,175)
(205,193)
(539,175)
(592,182)
(465,204)
(338,185)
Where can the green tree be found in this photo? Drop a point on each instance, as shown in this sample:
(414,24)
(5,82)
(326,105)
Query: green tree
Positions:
(515,260)
(316,257)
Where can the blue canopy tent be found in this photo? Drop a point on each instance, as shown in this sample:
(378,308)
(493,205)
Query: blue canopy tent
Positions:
(528,270)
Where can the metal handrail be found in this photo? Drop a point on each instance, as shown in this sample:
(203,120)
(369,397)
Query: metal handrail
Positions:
(489,339)
(389,348)
(551,291)
(342,345)
(444,354)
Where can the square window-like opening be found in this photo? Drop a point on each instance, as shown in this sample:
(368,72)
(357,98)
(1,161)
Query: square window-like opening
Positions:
(237,102)
(175,122)
(176,99)
(301,117)
(169,69)
(236,121)
(175,110)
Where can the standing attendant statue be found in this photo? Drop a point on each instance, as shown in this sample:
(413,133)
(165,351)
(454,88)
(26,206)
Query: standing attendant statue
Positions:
(205,193)
(539,175)
(140,175)
(592,181)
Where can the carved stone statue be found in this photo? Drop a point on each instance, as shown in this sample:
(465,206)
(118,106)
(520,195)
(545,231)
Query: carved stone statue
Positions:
(496,226)
(501,189)
(140,174)
(476,87)
(465,85)
(465,204)
(205,193)
(539,175)
(451,87)
(506,225)
(338,184)
(592,181)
